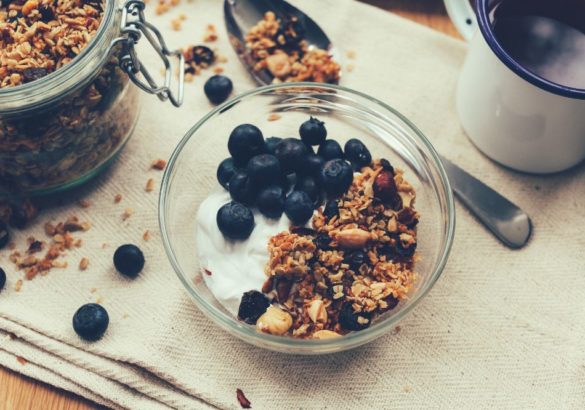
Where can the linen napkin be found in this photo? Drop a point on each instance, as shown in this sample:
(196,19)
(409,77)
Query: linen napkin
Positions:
(501,328)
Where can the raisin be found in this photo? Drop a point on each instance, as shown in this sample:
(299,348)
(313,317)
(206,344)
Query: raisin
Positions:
(323,241)
(252,306)
(351,320)
(34,73)
(202,55)
(283,287)
(355,260)
(331,209)
(386,165)
(47,13)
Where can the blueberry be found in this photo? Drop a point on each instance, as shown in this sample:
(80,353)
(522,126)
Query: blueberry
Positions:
(311,165)
(330,149)
(298,206)
(331,209)
(349,319)
(245,141)
(263,170)
(355,260)
(4,234)
(218,88)
(336,177)
(271,201)
(313,131)
(91,321)
(357,153)
(129,260)
(310,186)
(290,153)
(242,189)
(252,306)
(235,221)
(271,144)
(2,278)
(226,170)
(391,301)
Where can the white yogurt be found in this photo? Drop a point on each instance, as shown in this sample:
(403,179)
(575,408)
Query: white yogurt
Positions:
(236,266)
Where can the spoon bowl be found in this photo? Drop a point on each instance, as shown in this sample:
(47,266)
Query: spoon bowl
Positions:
(241,15)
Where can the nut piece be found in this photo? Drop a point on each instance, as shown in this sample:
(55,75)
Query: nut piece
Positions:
(325,334)
(353,238)
(275,321)
(317,311)
(385,187)
(278,65)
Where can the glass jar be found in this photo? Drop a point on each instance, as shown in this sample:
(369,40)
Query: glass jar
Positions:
(61,130)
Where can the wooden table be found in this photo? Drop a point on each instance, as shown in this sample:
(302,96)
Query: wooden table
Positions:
(18,392)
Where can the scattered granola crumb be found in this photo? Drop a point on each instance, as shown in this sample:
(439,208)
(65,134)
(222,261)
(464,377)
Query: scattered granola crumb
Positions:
(210,33)
(274,117)
(407,389)
(34,246)
(149,185)
(117,198)
(125,316)
(218,70)
(147,235)
(99,300)
(159,164)
(351,54)
(21,360)
(83,263)
(222,59)
(18,285)
(104,245)
(244,402)
(84,203)
(396,330)
(350,68)
(93,290)
(176,24)
(127,213)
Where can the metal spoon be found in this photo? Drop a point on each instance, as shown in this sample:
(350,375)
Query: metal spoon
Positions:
(241,15)
(505,220)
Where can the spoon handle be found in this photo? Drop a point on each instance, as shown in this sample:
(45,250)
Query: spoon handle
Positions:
(504,219)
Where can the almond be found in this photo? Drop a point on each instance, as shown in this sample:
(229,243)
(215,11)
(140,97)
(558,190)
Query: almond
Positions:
(325,334)
(353,238)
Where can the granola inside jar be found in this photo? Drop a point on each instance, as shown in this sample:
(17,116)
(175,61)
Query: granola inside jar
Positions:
(66,103)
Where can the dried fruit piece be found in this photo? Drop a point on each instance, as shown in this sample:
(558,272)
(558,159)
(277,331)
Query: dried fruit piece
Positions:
(243,400)
(385,188)
(252,306)
(351,320)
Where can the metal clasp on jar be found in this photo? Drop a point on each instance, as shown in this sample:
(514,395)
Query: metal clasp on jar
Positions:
(133,25)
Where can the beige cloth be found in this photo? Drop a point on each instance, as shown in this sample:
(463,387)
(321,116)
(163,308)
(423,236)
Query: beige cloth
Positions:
(501,329)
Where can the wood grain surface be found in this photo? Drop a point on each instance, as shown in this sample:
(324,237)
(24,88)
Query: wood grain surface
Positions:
(21,393)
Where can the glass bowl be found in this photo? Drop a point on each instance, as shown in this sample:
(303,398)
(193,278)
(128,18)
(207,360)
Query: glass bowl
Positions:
(279,110)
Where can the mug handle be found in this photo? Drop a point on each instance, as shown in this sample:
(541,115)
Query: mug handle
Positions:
(462,16)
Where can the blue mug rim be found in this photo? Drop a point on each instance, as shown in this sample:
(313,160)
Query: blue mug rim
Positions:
(482,11)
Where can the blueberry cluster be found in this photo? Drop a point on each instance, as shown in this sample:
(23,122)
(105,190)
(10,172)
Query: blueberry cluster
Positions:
(278,175)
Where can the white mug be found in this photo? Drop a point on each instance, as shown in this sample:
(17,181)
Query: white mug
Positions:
(514,116)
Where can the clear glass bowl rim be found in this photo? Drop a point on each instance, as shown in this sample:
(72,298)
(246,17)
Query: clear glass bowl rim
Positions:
(280,343)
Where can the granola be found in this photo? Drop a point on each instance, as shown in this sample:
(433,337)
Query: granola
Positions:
(352,266)
(49,146)
(278,46)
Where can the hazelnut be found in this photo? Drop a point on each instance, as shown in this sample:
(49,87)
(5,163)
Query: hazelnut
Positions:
(385,187)
(317,311)
(278,65)
(325,334)
(353,238)
(275,321)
